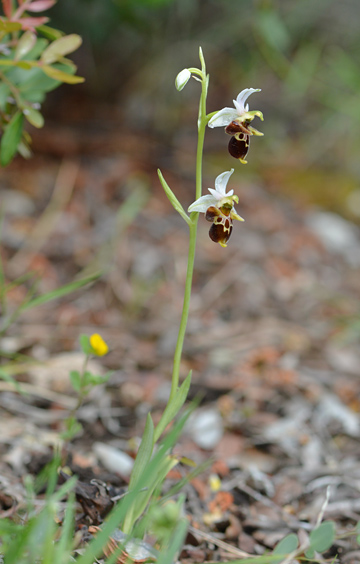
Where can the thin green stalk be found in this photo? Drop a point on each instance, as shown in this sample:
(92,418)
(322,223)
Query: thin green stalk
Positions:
(14,91)
(3,304)
(185,310)
(82,392)
(192,238)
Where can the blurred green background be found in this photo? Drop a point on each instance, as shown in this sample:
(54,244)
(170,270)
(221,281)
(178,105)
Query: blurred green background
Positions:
(303,54)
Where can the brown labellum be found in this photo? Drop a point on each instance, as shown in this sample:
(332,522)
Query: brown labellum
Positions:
(238,148)
(221,229)
(236,127)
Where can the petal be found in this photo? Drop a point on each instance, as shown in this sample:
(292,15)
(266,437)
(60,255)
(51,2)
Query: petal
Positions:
(223,117)
(98,345)
(254,131)
(251,115)
(240,109)
(202,204)
(221,182)
(235,215)
(243,96)
(216,194)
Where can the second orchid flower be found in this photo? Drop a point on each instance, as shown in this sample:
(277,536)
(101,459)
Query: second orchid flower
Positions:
(218,207)
(237,124)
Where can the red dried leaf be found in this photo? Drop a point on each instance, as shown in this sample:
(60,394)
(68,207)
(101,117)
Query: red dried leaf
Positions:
(7,8)
(40,5)
(32,23)
(222,501)
(220,467)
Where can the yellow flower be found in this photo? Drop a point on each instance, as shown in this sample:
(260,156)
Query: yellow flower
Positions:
(98,345)
(214,482)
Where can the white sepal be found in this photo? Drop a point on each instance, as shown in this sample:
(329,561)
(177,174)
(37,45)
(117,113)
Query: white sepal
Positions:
(216,195)
(227,115)
(239,103)
(223,118)
(221,183)
(203,203)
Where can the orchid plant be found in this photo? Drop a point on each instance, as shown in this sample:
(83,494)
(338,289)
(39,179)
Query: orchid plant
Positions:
(218,207)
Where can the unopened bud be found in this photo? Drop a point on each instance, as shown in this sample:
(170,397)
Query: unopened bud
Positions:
(182,79)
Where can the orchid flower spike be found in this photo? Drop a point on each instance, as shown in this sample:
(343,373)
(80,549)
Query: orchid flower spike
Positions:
(237,124)
(218,207)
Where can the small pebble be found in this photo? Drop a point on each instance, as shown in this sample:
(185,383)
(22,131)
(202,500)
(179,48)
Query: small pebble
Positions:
(113,459)
(206,428)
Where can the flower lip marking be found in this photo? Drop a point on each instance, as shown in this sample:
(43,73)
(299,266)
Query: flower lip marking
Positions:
(237,123)
(218,207)
(239,146)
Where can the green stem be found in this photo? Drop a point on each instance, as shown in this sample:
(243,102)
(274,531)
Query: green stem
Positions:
(81,395)
(3,302)
(14,91)
(192,239)
(83,392)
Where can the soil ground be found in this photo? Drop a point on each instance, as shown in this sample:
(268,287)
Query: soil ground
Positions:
(273,341)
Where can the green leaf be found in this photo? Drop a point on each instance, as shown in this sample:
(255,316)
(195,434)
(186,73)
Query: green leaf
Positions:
(170,552)
(35,83)
(26,42)
(11,138)
(144,453)
(24,149)
(16,549)
(4,94)
(64,545)
(38,48)
(173,408)
(26,65)
(166,464)
(273,30)
(49,32)
(96,379)
(64,489)
(287,545)
(8,378)
(173,199)
(61,76)
(61,47)
(75,380)
(85,344)
(122,508)
(34,117)
(322,538)
(141,462)
(60,292)
(23,65)
(9,27)
(73,427)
